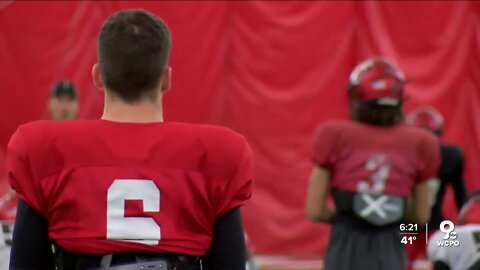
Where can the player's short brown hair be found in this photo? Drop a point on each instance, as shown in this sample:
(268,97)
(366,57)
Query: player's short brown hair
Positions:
(377,115)
(133,51)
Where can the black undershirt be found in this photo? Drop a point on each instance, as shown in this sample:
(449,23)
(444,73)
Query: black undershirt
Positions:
(228,244)
(31,248)
(450,174)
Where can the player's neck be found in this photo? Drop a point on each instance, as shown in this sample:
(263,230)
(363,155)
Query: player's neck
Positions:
(143,112)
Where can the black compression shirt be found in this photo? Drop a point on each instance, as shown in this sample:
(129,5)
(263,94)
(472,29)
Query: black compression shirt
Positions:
(450,174)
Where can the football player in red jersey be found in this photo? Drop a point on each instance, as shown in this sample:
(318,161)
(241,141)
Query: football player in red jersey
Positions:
(371,165)
(129,191)
(62,105)
(466,255)
(450,172)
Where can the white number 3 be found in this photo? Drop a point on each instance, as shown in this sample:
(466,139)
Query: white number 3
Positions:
(133,229)
(380,166)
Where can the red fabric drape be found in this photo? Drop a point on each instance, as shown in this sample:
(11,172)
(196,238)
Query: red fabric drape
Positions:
(270,70)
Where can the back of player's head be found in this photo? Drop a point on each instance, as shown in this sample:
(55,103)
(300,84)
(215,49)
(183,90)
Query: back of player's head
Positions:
(470,212)
(426,117)
(133,51)
(376,88)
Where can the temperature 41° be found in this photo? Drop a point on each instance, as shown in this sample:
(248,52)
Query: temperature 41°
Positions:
(408,240)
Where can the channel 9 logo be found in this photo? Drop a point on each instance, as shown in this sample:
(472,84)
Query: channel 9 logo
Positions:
(450,236)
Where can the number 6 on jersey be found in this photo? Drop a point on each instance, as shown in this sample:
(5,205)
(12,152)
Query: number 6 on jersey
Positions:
(133,229)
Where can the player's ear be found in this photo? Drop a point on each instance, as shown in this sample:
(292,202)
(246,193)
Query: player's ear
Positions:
(166,79)
(97,78)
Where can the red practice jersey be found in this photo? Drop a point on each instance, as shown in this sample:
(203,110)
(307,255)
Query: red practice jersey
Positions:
(109,187)
(362,157)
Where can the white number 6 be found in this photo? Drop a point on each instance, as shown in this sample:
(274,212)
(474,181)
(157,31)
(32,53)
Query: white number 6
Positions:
(133,229)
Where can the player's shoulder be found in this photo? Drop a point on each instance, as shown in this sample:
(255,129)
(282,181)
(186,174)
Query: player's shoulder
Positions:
(213,134)
(52,126)
(209,130)
(221,140)
(33,129)
(219,143)
(419,135)
(336,126)
(44,130)
(35,126)
(415,131)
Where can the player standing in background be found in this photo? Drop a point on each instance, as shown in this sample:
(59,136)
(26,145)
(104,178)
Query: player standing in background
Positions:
(129,190)
(465,256)
(450,172)
(371,165)
(63,102)
(62,105)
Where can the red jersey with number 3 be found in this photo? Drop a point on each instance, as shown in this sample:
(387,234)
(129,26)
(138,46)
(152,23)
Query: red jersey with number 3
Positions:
(389,160)
(109,187)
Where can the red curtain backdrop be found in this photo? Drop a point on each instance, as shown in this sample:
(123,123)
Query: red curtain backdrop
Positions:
(270,70)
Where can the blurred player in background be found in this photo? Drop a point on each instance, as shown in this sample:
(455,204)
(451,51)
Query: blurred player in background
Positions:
(450,172)
(129,191)
(62,105)
(465,256)
(371,165)
(63,101)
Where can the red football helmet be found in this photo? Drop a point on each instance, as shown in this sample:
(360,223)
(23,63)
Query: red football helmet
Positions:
(426,117)
(377,80)
(470,212)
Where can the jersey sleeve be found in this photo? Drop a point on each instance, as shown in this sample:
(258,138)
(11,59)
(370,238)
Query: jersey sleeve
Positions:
(323,146)
(20,174)
(430,153)
(238,188)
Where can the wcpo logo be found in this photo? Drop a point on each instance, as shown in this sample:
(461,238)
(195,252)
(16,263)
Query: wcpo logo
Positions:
(450,236)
